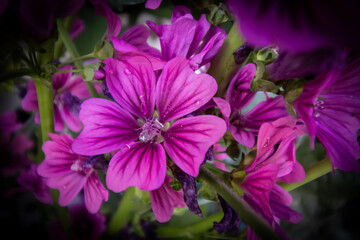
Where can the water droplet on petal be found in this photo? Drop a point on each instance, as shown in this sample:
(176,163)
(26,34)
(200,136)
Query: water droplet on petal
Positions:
(316,114)
(127,71)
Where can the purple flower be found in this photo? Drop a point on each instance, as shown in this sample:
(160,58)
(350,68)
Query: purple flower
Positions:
(152,4)
(130,123)
(245,126)
(329,105)
(189,38)
(67,172)
(298,26)
(67,94)
(32,181)
(165,199)
(220,155)
(13,154)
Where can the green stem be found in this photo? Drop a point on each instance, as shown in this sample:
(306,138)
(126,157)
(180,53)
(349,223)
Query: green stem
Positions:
(223,67)
(195,228)
(72,70)
(90,55)
(123,213)
(70,46)
(46,106)
(246,213)
(319,169)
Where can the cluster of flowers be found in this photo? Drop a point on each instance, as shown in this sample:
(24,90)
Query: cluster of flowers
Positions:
(158,118)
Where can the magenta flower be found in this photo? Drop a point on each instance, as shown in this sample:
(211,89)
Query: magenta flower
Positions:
(274,161)
(329,105)
(165,199)
(30,180)
(67,94)
(245,126)
(69,173)
(188,37)
(130,123)
(220,155)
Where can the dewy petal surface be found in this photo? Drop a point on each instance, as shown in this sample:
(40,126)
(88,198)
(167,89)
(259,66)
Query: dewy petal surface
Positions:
(132,84)
(188,140)
(142,164)
(165,199)
(180,91)
(107,127)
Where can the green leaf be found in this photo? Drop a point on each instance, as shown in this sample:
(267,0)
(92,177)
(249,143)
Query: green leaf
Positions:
(88,73)
(207,192)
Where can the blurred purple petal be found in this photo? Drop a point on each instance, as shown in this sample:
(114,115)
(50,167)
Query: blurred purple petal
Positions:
(94,193)
(152,4)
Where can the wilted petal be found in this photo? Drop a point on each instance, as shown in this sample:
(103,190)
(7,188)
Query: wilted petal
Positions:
(94,193)
(132,84)
(164,200)
(141,164)
(188,140)
(190,192)
(231,220)
(107,127)
(180,91)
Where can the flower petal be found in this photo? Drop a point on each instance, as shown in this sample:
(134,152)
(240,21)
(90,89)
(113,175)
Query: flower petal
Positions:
(165,199)
(68,185)
(239,94)
(107,127)
(188,140)
(152,4)
(60,79)
(94,193)
(180,91)
(132,84)
(58,156)
(141,164)
(70,119)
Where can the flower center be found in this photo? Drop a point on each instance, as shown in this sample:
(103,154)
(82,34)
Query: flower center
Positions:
(151,130)
(318,105)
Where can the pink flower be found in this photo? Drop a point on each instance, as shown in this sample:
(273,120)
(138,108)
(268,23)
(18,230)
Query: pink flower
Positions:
(152,4)
(67,94)
(245,126)
(130,123)
(69,173)
(189,38)
(274,161)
